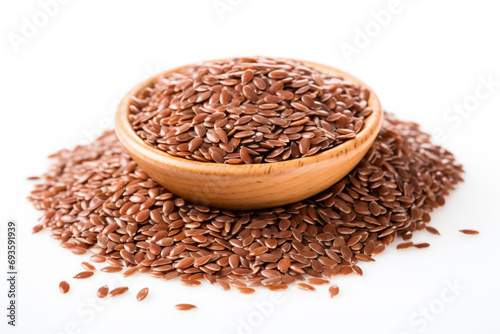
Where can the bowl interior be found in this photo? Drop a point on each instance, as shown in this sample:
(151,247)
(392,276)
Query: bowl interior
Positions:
(372,121)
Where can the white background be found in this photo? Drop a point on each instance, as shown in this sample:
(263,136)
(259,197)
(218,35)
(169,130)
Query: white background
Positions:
(60,84)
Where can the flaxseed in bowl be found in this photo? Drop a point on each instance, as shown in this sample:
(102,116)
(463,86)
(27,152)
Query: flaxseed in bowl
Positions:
(249,133)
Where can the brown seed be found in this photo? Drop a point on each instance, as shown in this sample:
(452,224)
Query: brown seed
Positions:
(250,94)
(318,281)
(234,261)
(84,274)
(245,155)
(357,270)
(88,266)
(195,143)
(97,258)
(142,294)
(432,230)
(185,262)
(37,228)
(78,250)
(468,231)
(64,287)
(213,136)
(118,291)
(333,290)
(111,269)
(258,251)
(202,260)
(190,282)
(185,307)
(364,257)
(246,77)
(374,208)
(277,287)
(130,271)
(246,291)
(304,145)
(421,245)
(346,253)
(305,286)
(217,157)
(278,74)
(170,275)
(224,285)
(284,264)
(378,250)
(404,245)
(102,291)
(142,215)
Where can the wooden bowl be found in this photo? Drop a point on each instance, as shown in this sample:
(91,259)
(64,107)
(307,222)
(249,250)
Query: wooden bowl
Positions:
(252,186)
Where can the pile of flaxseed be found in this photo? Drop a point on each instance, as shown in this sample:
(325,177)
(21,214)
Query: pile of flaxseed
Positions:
(96,199)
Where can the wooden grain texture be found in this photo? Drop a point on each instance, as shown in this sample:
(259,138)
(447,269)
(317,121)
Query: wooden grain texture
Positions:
(255,186)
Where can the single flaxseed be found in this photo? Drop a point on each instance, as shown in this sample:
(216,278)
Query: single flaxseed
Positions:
(421,245)
(118,291)
(185,307)
(317,281)
(84,274)
(64,287)
(469,231)
(305,286)
(432,230)
(130,271)
(404,245)
(102,291)
(111,269)
(88,266)
(142,294)
(246,291)
(37,228)
(333,290)
(97,258)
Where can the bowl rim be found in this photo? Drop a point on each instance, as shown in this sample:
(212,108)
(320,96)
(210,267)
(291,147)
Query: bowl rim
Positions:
(132,141)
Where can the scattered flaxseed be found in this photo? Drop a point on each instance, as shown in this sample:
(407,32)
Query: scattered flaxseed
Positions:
(468,231)
(142,294)
(131,271)
(96,198)
(84,274)
(97,258)
(405,245)
(118,291)
(317,281)
(432,230)
(64,287)
(185,307)
(111,269)
(305,286)
(37,228)
(246,291)
(102,291)
(88,266)
(333,290)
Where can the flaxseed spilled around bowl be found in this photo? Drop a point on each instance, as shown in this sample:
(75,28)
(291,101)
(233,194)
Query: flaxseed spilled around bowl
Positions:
(95,198)
(248,110)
